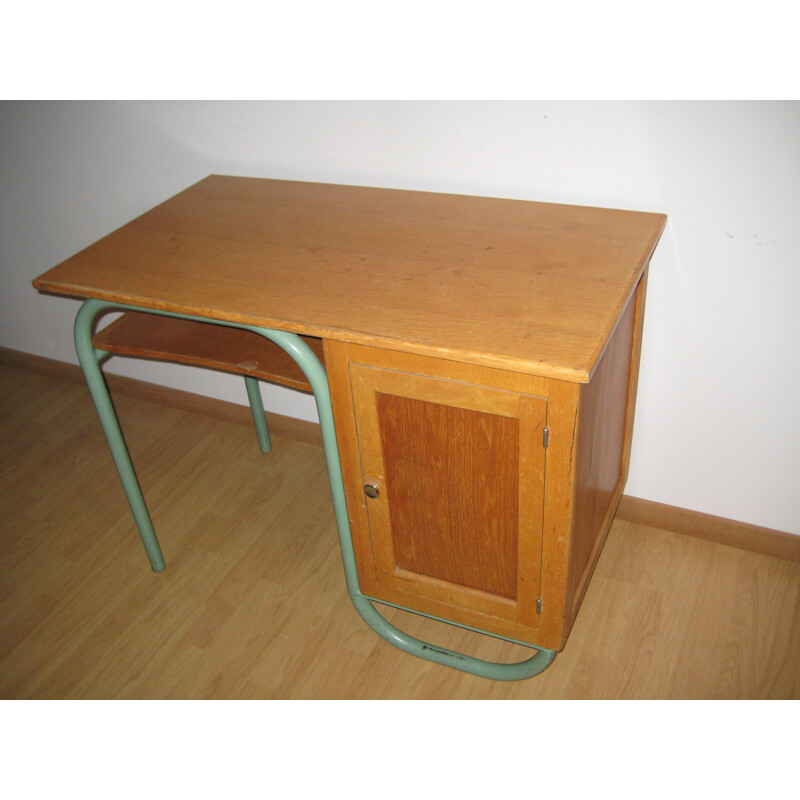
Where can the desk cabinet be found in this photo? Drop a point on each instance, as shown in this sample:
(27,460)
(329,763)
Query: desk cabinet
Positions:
(477,495)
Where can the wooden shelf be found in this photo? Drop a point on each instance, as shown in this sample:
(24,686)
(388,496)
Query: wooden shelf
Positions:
(204,344)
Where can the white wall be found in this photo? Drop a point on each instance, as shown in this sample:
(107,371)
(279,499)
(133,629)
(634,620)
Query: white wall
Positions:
(717,425)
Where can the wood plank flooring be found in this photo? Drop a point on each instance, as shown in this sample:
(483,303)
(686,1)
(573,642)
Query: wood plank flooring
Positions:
(253,602)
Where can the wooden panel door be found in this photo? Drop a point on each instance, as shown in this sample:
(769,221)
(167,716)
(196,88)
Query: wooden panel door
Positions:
(454,478)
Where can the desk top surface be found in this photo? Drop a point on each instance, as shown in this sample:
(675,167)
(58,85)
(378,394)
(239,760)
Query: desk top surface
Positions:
(532,287)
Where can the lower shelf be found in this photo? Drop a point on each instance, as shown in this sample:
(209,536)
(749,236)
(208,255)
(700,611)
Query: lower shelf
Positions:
(204,344)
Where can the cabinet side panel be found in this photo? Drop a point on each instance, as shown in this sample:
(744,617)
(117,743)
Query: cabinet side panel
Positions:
(452,483)
(601,452)
(636,352)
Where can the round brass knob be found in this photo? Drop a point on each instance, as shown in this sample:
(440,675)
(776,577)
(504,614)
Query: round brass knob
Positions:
(371,490)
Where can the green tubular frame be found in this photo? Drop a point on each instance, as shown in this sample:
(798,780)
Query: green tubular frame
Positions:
(298,350)
(257,407)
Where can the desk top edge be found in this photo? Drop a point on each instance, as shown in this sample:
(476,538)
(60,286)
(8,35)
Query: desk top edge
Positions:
(80,276)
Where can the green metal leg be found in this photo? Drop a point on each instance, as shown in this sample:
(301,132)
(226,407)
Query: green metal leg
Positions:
(297,349)
(89,360)
(257,408)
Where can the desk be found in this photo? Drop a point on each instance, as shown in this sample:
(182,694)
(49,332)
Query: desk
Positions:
(477,398)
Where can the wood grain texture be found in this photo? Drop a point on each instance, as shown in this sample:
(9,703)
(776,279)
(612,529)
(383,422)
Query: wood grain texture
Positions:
(452,481)
(204,344)
(599,452)
(455,530)
(338,368)
(532,287)
(640,301)
(559,510)
(253,602)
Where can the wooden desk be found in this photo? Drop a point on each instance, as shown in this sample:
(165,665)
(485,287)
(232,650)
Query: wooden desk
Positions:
(482,358)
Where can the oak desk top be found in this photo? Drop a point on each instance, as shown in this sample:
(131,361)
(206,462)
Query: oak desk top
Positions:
(531,287)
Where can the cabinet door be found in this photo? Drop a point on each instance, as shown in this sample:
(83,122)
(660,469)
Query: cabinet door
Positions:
(454,478)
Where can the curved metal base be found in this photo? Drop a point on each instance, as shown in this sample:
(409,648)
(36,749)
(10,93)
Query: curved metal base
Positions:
(304,357)
(449,658)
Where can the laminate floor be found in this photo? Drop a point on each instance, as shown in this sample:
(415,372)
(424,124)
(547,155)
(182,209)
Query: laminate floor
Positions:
(253,602)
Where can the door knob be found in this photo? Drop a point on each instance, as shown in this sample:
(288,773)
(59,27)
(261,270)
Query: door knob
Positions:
(371,490)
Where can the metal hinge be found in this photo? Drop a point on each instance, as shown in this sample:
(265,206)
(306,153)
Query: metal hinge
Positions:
(539,606)
(546,437)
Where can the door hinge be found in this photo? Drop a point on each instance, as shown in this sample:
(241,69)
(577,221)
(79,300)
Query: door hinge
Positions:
(539,606)
(546,437)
